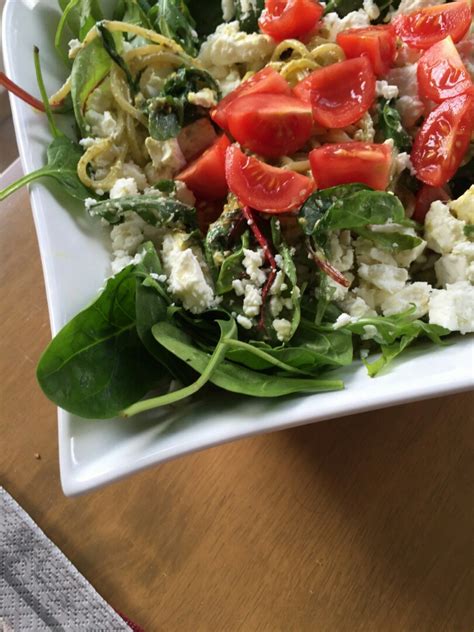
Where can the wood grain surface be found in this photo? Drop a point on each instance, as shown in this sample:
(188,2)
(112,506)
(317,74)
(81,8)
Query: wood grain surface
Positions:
(360,524)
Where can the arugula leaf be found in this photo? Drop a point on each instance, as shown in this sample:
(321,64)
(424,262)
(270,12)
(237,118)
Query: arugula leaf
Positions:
(155,209)
(389,125)
(91,65)
(110,47)
(96,365)
(394,334)
(173,19)
(319,203)
(63,155)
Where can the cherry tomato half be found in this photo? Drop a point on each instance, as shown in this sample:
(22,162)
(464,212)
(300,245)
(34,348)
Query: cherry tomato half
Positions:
(265,81)
(341,93)
(289,19)
(345,163)
(443,139)
(206,175)
(271,125)
(424,27)
(424,198)
(263,187)
(377,42)
(441,73)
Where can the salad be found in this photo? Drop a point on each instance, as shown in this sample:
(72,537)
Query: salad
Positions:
(289,187)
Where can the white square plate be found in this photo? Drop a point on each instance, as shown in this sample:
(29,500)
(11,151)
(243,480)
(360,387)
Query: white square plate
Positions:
(75,254)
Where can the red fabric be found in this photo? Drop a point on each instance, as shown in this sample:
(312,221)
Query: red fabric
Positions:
(133,626)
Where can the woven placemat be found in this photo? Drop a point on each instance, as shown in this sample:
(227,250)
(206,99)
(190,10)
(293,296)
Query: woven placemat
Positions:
(40,589)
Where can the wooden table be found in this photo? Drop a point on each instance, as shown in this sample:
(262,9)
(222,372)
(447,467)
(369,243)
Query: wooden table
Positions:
(360,524)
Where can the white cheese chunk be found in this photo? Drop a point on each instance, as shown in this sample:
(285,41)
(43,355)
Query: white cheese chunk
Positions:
(389,278)
(123,187)
(453,308)
(282,328)
(442,230)
(206,98)
(385,90)
(252,300)
(417,294)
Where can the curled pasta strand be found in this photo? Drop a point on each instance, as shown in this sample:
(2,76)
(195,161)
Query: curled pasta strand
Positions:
(294,47)
(58,97)
(297,69)
(327,54)
(100,146)
(121,94)
(300,166)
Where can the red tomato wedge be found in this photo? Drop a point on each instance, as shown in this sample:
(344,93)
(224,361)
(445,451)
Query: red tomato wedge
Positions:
(206,175)
(344,163)
(263,187)
(441,72)
(377,42)
(271,125)
(289,19)
(265,81)
(341,93)
(443,139)
(425,27)
(424,198)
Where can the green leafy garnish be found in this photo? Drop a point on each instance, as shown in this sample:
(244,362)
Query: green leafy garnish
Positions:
(390,126)
(79,16)
(110,46)
(173,19)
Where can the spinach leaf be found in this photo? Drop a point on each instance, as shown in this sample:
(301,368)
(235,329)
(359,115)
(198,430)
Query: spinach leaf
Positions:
(343,7)
(80,16)
(173,19)
(207,15)
(390,241)
(133,12)
(289,269)
(232,377)
(394,334)
(389,125)
(469,231)
(230,269)
(186,80)
(63,155)
(362,208)
(155,209)
(96,365)
(110,47)
(249,14)
(317,205)
(152,305)
(168,336)
(91,65)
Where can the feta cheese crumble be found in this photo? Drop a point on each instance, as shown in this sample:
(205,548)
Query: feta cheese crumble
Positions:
(453,308)
(282,328)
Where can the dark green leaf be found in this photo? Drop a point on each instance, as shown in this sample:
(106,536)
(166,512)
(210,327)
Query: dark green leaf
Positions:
(390,125)
(173,19)
(469,231)
(80,16)
(390,241)
(248,17)
(96,365)
(110,46)
(207,15)
(165,117)
(155,209)
(91,65)
(317,205)
(63,155)
(363,208)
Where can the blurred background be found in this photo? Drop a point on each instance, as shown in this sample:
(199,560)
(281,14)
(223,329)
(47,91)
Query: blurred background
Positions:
(8,148)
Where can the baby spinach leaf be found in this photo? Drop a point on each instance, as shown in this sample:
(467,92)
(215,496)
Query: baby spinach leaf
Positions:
(186,80)
(63,155)
(155,209)
(80,16)
(173,19)
(362,208)
(133,12)
(152,304)
(469,231)
(230,269)
(235,378)
(169,336)
(91,65)
(389,125)
(390,241)
(317,205)
(96,365)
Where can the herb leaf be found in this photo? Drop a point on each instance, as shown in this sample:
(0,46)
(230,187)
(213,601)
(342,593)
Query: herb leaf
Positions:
(110,46)
(173,19)
(390,125)
(155,209)
(165,117)
(248,16)
(96,365)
